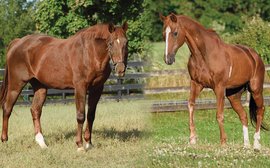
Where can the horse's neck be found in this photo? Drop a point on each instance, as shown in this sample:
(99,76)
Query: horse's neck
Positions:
(197,45)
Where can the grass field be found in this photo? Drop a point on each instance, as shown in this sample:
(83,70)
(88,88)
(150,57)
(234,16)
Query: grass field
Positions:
(127,135)
(171,149)
(120,138)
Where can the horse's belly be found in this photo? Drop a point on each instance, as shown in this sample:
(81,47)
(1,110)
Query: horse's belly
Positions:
(56,79)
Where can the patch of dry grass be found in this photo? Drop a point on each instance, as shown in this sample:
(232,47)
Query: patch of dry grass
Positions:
(120,137)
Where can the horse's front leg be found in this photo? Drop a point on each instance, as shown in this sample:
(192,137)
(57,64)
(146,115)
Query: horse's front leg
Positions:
(219,91)
(80,96)
(93,98)
(195,89)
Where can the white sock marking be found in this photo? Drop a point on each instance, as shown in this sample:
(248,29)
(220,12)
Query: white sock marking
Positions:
(40,140)
(245,134)
(168,30)
(257,137)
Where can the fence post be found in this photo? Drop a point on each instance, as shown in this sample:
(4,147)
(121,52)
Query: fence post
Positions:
(119,92)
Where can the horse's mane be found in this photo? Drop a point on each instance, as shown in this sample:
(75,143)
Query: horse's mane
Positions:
(199,25)
(97,31)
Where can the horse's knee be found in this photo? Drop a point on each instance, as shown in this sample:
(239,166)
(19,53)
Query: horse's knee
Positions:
(220,119)
(80,117)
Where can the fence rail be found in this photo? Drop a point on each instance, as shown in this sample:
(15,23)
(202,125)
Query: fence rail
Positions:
(120,88)
(201,104)
(115,87)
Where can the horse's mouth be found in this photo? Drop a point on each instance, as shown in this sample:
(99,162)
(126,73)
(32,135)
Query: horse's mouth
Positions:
(121,74)
(170,59)
(120,69)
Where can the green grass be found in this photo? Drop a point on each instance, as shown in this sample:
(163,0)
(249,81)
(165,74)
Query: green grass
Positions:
(171,136)
(120,138)
(127,135)
(157,57)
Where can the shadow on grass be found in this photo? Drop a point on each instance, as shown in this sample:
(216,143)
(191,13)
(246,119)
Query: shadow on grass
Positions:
(125,135)
(112,133)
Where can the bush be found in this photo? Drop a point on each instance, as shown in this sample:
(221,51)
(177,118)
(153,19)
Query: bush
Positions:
(63,18)
(255,34)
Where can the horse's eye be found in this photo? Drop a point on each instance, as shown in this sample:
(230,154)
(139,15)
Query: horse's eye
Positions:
(175,34)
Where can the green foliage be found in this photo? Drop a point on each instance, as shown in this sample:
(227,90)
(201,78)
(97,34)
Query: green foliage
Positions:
(256,34)
(16,20)
(63,18)
(222,15)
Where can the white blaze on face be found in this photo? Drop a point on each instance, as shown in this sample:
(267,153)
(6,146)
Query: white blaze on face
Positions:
(118,41)
(168,30)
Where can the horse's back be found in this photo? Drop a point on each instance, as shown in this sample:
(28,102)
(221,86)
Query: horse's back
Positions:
(42,57)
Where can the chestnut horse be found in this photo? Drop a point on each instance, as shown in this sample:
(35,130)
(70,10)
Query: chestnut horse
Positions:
(81,62)
(227,69)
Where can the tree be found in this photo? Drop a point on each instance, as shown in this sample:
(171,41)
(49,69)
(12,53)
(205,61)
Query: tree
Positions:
(62,18)
(256,34)
(16,20)
(225,16)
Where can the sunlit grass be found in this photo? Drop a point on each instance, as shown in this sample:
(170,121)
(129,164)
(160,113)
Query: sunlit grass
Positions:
(171,137)
(120,137)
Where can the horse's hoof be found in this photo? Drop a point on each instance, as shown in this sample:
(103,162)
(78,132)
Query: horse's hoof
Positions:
(88,146)
(223,145)
(192,141)
(43,146)
(81,149)
(246,146)
(5,139)
(257,148)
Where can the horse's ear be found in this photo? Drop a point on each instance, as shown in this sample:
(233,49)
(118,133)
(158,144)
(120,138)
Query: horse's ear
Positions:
(173,17)
(111,28)
(162,18)
(125,26)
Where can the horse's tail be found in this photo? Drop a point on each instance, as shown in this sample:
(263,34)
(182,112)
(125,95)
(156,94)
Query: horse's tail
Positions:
(253,114)
(3,89)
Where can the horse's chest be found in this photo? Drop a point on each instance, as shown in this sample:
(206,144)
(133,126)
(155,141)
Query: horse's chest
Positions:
(201,76)
(101,77)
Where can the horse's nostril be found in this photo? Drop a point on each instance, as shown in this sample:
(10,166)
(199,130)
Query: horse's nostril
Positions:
(120,68)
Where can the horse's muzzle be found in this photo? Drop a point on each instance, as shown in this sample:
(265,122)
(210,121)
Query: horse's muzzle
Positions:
(120,69)
(169,59)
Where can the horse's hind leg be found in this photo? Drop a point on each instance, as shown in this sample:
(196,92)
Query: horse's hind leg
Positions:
(195,89)
(234,96)
(14,89)
(39,98)
(256,87)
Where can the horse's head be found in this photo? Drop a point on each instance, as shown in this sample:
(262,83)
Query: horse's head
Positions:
(174,36)
(118,48)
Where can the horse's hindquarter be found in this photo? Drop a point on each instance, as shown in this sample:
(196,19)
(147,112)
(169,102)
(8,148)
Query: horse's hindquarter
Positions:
(242,66)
